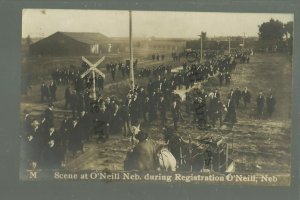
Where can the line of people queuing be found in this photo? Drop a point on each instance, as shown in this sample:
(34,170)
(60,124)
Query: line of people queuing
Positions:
(111,115)
(207,107)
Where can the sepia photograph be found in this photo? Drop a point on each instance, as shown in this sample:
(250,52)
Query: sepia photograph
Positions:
(156,96)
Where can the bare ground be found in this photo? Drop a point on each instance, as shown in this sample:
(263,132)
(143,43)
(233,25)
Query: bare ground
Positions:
(258,145)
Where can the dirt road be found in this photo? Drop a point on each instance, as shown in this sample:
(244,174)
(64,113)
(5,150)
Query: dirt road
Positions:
(258,145)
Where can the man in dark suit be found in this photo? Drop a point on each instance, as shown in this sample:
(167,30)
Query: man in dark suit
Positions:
(227,78)
(270,105)
(49,116)
(221,78)
(74,102)
(260,103)
(175,110)
(165,86)
(52,89)
(52,154)
(125,117)
(145,109)
(218,114)
(152,106)
(102,123)
(84,124)
(231,113)
(75,138)
(201,112)
(44,92)
(237,96)
(163,107)
(113,71)
(67,97)
(216,94)
(246,95)
(134,110)
(65,126)
(231,95)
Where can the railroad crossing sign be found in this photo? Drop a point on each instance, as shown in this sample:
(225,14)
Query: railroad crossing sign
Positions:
(93,69)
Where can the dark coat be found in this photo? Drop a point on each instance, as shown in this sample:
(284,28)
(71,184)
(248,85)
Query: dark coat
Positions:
(53,154)
(260,101)
(246,96)
(163,106)
(75,138)
(45,90)
(175,112)
(231,113)
(33,142)
(270,104)
(49,116)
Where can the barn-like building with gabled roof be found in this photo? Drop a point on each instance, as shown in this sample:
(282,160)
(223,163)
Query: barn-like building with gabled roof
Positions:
(71,44)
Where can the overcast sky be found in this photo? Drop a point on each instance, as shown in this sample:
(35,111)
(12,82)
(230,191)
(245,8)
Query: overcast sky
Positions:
(42,23)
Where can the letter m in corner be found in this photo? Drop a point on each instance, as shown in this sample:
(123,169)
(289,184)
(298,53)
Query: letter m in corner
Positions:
(32,175)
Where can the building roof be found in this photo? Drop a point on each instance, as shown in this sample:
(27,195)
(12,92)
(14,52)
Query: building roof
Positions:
(85,37)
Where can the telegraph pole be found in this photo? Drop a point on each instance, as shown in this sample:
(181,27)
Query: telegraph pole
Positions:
(201,46)
(131,50)
(229,45)
(244,41)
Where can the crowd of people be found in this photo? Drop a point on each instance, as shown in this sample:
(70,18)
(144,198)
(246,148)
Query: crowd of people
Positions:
(157,100)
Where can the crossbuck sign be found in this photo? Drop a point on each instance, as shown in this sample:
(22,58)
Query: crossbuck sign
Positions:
(93,69)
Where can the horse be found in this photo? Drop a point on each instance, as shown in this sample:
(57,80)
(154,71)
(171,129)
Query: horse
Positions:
(147,155)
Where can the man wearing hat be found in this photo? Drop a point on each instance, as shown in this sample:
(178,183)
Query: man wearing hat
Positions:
(201,112)
(67,97)
(52,153)
(52,90)
(227,78)
(49,116)
(246,96)
(44,92)
(102,123)
(163,107)
(260,102)
(175,110)
(237,96)
(270,104)
(134,110)
(73,102)
(75,138)
(125,117)
(231,113)
(84,124)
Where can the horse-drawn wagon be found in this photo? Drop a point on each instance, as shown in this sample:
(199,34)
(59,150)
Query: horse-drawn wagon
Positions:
(215,153)
(205,154)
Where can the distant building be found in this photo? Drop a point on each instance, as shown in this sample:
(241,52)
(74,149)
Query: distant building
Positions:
(165,45)
(221,43)
(71,43)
